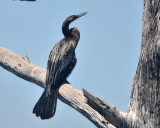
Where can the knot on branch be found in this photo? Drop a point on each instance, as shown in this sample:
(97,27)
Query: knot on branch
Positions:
(26,58)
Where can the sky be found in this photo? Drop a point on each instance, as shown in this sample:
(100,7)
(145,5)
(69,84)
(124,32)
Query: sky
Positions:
(107,55)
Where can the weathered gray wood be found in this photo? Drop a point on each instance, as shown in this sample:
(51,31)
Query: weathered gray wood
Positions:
(145,95)
(111,114)
(67,93)
(21,67)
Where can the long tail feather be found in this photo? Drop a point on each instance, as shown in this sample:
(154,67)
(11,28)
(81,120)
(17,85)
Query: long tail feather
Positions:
(46,105)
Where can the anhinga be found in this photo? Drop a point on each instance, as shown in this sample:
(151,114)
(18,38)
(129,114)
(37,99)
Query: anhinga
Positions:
(61,62)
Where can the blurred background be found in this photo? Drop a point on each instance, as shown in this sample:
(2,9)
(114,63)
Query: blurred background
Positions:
(107,53)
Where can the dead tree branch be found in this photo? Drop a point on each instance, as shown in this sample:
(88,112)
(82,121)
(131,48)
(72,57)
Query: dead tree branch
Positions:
(68,94)
(111,114)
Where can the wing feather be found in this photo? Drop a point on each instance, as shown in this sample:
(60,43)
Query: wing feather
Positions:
(59,59)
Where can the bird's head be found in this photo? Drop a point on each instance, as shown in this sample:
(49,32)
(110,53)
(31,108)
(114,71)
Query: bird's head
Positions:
(65,26)
(74,17)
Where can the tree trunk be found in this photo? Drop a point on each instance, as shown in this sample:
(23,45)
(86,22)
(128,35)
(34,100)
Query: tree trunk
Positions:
(145,96)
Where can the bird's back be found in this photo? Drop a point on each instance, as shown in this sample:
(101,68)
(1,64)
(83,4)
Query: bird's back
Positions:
(59,60)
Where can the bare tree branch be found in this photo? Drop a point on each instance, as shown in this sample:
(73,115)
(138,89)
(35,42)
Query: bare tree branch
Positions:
(111,114)
(68,94)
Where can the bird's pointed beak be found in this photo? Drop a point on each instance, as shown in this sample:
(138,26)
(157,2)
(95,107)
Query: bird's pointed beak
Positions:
(82,14)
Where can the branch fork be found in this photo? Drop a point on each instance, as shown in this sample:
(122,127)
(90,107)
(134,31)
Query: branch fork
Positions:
(93,108)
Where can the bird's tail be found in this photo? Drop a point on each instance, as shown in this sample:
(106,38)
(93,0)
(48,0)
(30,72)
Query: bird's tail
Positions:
(46,105)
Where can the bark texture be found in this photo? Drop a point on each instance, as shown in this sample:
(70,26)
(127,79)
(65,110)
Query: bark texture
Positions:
(145,96)
(110,113)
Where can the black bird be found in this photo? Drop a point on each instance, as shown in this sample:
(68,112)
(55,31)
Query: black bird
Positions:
(62,60)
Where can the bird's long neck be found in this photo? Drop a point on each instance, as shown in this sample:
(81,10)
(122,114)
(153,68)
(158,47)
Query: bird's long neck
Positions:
(73,32)
(65,29)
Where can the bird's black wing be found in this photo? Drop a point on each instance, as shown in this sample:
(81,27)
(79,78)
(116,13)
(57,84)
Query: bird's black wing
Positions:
(59,59)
